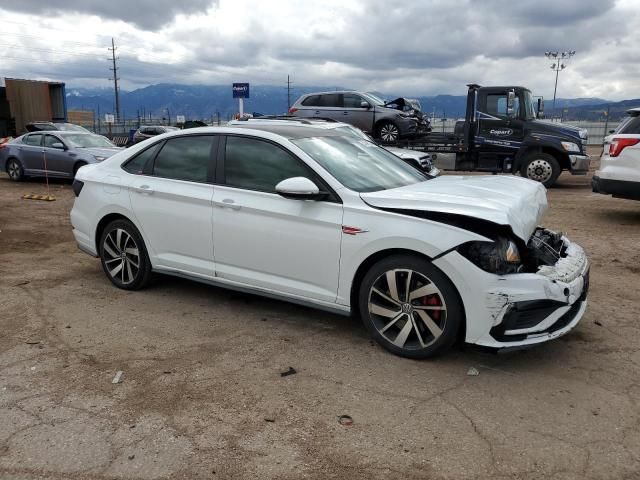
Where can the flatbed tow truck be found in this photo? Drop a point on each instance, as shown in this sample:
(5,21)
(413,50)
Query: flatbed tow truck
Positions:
(501,132)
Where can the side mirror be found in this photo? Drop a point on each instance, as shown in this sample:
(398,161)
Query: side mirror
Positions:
(511,96)
(364,104)
(299,188)
(58,146)
(611,131)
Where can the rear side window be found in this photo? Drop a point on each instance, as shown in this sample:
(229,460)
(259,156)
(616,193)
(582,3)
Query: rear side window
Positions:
(630,127)
(258,165)
(185,158)
(32,139)
(330,100)
(137,163)
(311,101)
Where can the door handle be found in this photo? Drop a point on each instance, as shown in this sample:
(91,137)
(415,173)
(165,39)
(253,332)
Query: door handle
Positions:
(228,203)
(345,113)
(317,112)
(143,189)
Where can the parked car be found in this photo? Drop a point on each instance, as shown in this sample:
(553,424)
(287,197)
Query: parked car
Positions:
(619,173)
(385,121)
(323,219)
(56,153)
(145,132)
(418,159)
(47,126)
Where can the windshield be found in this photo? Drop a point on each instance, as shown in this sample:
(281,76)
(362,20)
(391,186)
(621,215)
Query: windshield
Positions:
(530,113)
(360,165)
(376,100)
(83,140)
(353,132)
(70,127)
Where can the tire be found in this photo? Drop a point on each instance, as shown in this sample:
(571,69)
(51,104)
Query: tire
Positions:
(418,327)
(541,167)
(124,256)
(387,132)
(15,170)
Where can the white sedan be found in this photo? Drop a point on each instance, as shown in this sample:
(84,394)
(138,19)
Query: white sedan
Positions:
(331,221)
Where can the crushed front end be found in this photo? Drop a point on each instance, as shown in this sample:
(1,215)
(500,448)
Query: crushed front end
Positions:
(521,294)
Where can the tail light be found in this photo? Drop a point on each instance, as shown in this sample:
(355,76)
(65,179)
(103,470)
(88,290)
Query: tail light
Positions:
(292,110)
(618,144)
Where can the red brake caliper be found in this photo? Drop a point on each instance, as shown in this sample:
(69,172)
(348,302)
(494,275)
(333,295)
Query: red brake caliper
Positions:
(433,301)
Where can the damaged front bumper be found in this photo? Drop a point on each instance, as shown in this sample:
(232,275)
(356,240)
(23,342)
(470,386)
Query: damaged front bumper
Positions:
(522,309)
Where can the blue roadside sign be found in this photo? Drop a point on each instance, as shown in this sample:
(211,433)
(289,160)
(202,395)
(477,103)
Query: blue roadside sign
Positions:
(240,90)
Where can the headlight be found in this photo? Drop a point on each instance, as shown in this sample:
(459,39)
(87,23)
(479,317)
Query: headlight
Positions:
(500,257)
(570,147)
(100,158)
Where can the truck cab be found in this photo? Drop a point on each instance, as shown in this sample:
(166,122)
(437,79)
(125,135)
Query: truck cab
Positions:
(502,133)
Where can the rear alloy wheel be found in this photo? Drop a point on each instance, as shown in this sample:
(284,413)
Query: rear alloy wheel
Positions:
(388,132)
(410,307)
(541,167)
(124,256)
(14,169)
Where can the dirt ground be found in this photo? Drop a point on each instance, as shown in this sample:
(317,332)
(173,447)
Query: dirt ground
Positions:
(202,396)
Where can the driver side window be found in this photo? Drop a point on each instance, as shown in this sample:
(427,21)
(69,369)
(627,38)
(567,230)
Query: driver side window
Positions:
(497,105)
(49,140)
(254,164)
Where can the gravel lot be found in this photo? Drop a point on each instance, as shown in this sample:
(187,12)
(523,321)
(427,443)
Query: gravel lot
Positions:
(202,396)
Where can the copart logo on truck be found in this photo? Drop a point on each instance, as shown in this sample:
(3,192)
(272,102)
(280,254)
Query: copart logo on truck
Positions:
(501,132)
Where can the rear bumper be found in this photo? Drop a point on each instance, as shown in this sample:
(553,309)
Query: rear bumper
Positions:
(617,188)
(579,164)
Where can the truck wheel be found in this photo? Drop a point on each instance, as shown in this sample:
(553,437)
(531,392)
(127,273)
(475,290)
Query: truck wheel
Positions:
(388,132)
(541,167)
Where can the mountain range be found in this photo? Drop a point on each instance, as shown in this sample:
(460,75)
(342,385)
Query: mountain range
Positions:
(207,102)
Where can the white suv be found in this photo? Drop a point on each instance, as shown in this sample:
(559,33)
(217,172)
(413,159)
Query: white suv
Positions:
(619,173)
(335,222)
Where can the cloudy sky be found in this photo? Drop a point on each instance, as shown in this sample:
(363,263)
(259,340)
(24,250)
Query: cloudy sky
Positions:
(423,47)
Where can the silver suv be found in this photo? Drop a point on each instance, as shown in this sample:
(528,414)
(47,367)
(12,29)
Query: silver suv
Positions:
(385,121)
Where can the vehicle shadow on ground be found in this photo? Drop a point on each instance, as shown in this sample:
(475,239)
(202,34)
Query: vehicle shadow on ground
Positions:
(336,329)
(620,217)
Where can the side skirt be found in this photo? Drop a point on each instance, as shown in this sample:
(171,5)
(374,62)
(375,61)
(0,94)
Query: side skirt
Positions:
(241,287)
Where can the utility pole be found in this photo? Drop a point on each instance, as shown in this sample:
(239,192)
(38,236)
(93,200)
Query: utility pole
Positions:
(288,94)
(115,79)
(559,59)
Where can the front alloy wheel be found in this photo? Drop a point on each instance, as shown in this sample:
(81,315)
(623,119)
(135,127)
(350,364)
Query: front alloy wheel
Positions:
(389,132)
(411,308)
(124,257)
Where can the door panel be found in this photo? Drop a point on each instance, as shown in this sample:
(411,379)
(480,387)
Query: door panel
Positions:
(356,115)
(265,240)
(499,136)
(31,153)
(57,161)
(173,206)
(175,217)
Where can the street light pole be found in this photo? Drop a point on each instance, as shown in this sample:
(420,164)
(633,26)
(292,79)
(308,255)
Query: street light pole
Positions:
(559,59)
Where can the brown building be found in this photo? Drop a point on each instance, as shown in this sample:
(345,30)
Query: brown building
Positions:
(24,101)
(81,117)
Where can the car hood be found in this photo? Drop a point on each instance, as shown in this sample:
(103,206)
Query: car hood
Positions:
(405,152)
(504,200)
(102,152)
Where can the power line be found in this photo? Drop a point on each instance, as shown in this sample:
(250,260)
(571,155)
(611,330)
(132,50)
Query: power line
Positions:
(115,78)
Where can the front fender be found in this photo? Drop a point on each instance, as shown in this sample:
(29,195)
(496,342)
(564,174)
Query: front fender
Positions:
(425,237)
